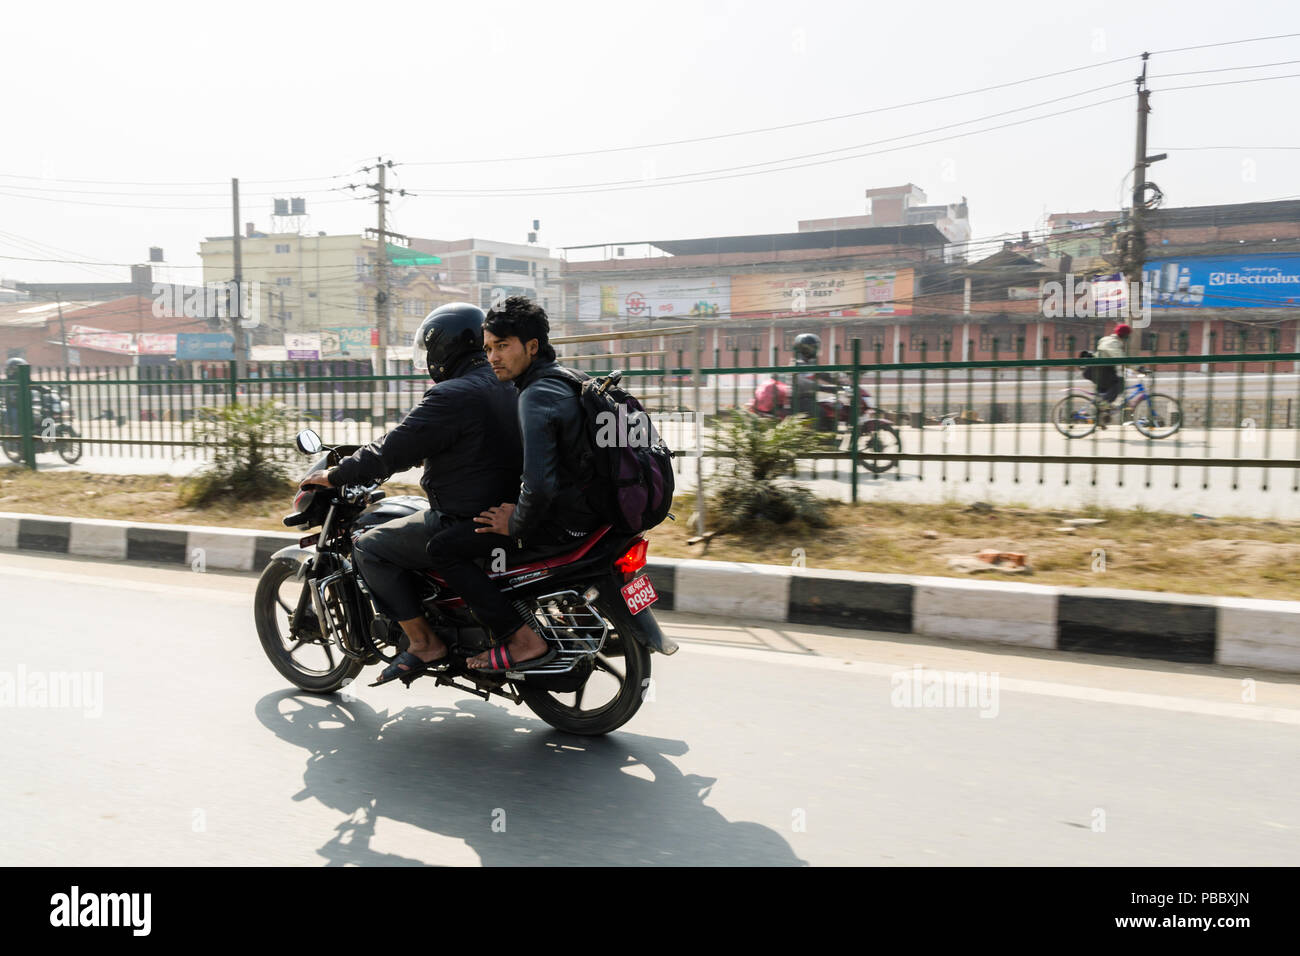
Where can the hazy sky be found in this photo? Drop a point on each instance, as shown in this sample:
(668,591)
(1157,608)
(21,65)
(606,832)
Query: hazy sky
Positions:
(135,97)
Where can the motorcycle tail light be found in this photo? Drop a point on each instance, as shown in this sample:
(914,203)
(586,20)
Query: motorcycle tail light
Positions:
(633,560)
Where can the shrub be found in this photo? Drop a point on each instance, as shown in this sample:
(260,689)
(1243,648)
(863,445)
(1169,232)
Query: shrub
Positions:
(251,453)
(760,450)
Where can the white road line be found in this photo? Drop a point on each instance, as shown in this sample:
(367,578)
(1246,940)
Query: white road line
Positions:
(1188,705)
(117,584)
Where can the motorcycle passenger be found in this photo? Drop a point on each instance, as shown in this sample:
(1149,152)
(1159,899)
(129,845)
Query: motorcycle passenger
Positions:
(552,507)
(9,395)
(466,432)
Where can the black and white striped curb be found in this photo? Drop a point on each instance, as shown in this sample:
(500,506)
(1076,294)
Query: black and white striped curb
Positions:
(1171,627)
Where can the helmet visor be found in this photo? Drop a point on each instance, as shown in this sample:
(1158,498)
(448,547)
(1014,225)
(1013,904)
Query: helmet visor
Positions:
(419,356)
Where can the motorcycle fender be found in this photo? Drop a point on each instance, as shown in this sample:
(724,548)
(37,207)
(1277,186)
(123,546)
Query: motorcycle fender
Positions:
(649,633)
(294,553)
(652,636)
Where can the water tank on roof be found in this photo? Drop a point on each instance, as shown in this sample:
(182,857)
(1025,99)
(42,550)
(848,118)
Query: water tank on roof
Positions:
(155,254)
(298,207)
(279,207)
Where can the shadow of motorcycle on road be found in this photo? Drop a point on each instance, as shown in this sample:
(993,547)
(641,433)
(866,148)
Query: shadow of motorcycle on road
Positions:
(516,791)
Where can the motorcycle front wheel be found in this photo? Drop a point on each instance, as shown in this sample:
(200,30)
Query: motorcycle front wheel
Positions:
(14,452)
(612,694)
(307,660)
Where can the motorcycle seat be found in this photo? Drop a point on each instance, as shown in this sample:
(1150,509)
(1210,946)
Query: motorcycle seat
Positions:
(554,555)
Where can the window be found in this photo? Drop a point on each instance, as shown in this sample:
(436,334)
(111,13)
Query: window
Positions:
(483,266)
(744,341)
(1007,336)
(410,307)
(362,307)
(517,266)
(281,248)
(1083,338)
(1239,339)
(283,280)
(931,339)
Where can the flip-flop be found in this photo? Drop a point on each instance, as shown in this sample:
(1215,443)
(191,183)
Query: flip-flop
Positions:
(500,661)
(414,668)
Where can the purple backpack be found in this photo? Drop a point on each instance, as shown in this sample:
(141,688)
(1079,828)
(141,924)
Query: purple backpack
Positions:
(633,483)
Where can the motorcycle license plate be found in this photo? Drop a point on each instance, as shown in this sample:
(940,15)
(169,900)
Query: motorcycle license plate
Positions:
(639,594)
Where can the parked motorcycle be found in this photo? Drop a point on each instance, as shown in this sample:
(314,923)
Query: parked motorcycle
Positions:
(51,413)
(319,626)
(830,407)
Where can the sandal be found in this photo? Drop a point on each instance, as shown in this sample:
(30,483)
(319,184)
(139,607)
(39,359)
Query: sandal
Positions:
(500,661)
(406,667)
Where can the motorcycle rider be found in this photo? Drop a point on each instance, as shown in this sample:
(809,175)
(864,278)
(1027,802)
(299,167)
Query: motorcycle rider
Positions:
(552,509)
(466,432)
(805,347)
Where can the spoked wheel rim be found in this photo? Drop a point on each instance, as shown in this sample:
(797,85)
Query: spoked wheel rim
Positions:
(303,653)
(1157,416)
(601,692)
(878,438)
(1075,416)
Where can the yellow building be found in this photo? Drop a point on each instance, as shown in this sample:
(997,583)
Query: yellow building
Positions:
(326,285)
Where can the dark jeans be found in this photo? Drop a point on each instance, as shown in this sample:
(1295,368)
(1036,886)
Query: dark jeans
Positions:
(387,554)
(451,553)
(1110,392)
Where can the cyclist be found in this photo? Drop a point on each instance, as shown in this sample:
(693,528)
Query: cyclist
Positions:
(1110,378)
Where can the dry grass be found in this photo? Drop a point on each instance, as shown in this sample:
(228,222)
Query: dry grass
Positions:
(1143,550)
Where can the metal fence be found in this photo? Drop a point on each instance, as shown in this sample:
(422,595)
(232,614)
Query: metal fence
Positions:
(953,421)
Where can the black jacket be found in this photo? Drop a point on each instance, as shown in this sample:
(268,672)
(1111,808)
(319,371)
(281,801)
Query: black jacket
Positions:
(465,430)
(552,500)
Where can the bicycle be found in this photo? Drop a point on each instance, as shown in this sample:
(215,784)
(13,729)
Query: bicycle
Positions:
(1152,413)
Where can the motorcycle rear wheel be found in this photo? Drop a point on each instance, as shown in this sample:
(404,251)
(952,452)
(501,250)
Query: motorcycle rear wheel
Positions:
(276,598)
(69,451)
(14,452)
(624,662)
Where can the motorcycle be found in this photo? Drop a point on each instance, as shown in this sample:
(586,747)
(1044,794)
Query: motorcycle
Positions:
(829,406)
(589,599)
(50,412)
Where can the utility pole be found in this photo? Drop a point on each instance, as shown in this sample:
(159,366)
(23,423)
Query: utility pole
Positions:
(237,305)
(1136,244)
(381,273)
(63,331)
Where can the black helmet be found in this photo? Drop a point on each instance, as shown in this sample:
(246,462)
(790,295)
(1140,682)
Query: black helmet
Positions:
(11,366)
(806,346)
(448,334)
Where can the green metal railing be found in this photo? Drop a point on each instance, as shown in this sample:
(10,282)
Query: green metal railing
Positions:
(950,415)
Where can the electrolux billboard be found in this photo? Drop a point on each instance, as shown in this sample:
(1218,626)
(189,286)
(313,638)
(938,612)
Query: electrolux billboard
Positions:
(1224,282)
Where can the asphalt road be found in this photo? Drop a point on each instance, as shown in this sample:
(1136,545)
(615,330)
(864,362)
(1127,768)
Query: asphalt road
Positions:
(773,745)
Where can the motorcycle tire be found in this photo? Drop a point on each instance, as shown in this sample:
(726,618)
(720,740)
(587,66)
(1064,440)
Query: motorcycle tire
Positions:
(69,451)
(14,452)
(271,612)
(624,658)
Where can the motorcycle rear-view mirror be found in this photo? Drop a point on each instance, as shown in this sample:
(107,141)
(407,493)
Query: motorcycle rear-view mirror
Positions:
(308,442)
